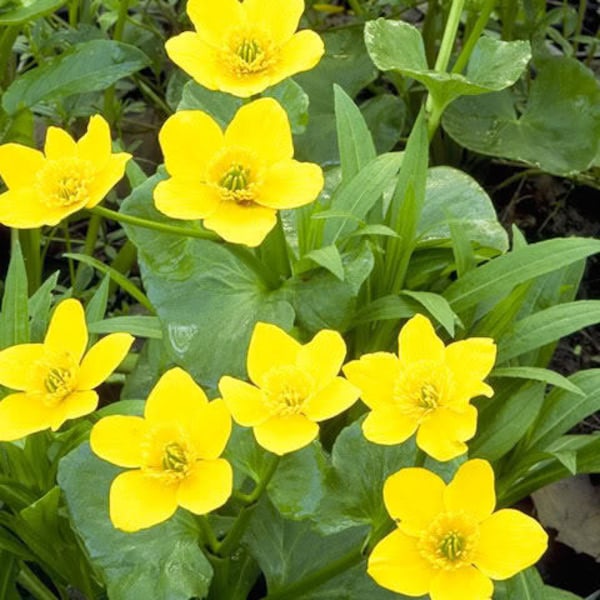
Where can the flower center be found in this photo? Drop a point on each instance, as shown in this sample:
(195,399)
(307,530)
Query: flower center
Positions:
(58,374)
(235,172)
(249,53)
(450,541)
(175,458)
(65,182)
(422,387)
(287,389)
(236,179)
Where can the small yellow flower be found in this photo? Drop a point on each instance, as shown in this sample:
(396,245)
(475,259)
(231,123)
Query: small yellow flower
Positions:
(236,180)
(295,387)
(244,48)
(55,379)
(174,450)
(45,188)
(427,387)
(449,542)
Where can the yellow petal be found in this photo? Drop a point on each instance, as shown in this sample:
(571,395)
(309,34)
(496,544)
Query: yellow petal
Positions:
(396,564)
(418,341)
(301,53)
(96,145)
(375,375)
(16,364)
(443,434)
(207,487)
(118,439)
(284,434)
(107,178)
(228,80)
(470,361)
(472,490)
(466,583)
(244,401)
(17,163)
(279,19)
(415,497)
(199,60)
(333,399)
(239,224)
(24,209)
(262,127)
(270,347)
(189,140)
(182,199)
(323,356)
(210,433)
(509,542)
(102,359)
(59,144)
(176,398)
(214,20)
(138,501)
(289,184)
(22,414)
(388,426)
(67,331)
(75,405)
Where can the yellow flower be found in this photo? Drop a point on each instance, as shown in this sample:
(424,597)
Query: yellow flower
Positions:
(449,543)
(295,387)
(44,189)
(236,180)
(55,379)
(174,450)
(427,387)
(244,48)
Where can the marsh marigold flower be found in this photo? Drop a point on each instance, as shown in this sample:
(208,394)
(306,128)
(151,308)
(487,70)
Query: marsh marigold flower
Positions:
(449,542)
(56,379)
(244,48)
(295,387)
(173,450)
(235,180)
(45,188)
(427,387)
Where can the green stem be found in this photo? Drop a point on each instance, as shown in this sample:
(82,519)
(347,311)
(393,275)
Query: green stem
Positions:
(73,13)
(231,540)
(7,40)
(69,248)
(317,578)
(208,534)
(91,238)
(109,95)
(356,7)
(467,50)
(33,585)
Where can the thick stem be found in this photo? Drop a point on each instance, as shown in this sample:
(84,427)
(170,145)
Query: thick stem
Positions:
(33,585)
(482,20)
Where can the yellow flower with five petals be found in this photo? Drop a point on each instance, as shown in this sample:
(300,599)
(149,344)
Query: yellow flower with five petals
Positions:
(427,387)
(244,48)
(44,188)
(449,543)
(172,452)
(235,180)
(55,379)
(295,387)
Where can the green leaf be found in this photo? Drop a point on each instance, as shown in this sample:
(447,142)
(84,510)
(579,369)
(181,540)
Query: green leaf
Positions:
(28,11)
(437,306)
(526,585)
(163,563)
(497,277)
(139,326)
(453,198)
(385,115)
(354,139)
(494,64)
(359,195)
(564,409)
(88,67)
(222,106)
(39,308)
(328,257)
(14,318)
(207,299)
(558,131)
(384,309)
(505,418)
(96,308)
(547,326)
(538,374)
